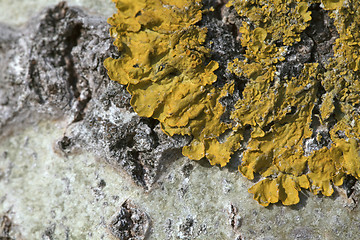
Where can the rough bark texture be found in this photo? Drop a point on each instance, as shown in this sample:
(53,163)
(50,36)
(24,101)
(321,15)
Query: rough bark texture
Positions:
(53,69)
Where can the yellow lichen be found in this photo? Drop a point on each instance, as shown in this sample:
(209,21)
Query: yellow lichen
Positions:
(162,63)
(284,188)
(277,17)
(332,4)
(169,74)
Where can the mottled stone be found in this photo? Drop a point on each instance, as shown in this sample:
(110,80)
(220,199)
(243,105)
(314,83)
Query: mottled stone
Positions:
(52,74)
(129,223)
(72,150)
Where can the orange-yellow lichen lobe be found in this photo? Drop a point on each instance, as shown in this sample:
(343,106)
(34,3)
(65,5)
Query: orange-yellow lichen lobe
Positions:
(170,76)
(332,4)
(163,64)
(277,154)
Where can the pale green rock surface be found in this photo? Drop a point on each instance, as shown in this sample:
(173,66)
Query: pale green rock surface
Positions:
(18,12)
(43,189)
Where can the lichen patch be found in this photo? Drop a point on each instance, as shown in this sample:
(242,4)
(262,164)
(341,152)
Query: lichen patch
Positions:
(172,78)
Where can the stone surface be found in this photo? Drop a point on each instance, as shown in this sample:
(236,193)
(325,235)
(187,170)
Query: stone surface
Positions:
(75,158)
(18,12)
(46,194)
(129,223)
(52,73)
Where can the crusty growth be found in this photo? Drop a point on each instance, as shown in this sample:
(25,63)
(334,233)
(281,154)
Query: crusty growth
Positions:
(162,63)
(166,68)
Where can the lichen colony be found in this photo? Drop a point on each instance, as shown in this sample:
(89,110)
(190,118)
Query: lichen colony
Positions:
(170,75)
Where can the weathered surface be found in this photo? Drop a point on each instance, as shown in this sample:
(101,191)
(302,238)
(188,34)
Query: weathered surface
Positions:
(55,179)
(18,12)
(44,193)
(54,69)
(6,228)
(129,223)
